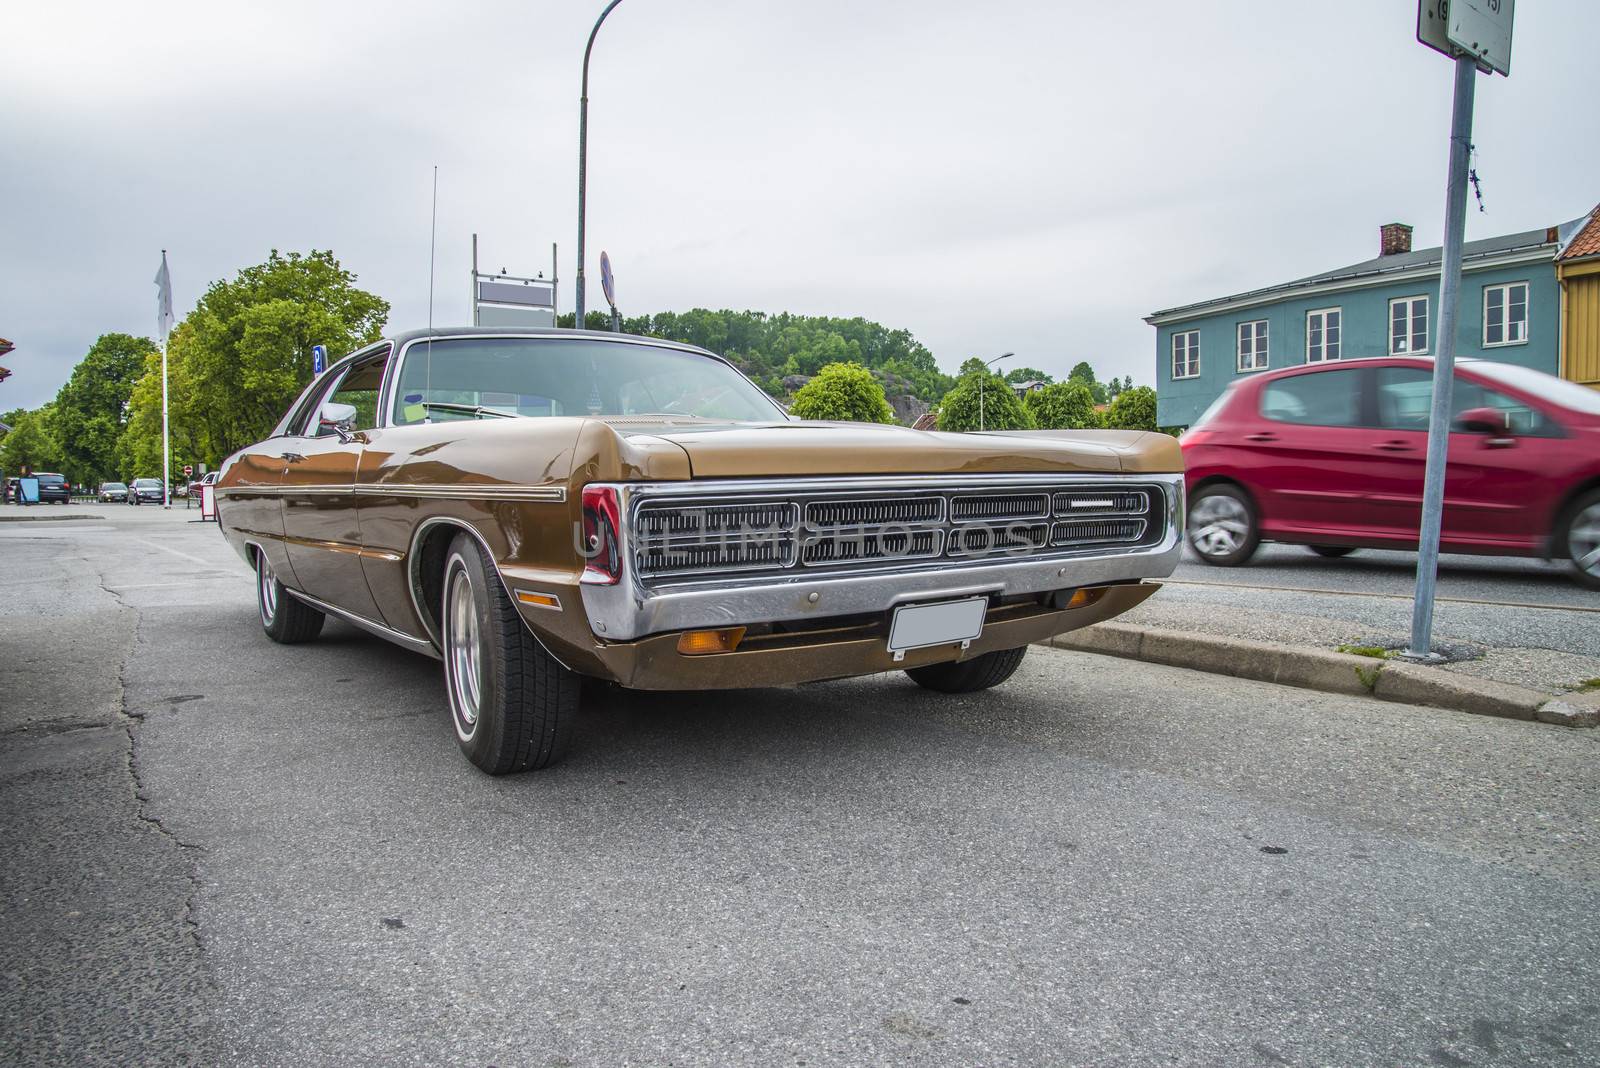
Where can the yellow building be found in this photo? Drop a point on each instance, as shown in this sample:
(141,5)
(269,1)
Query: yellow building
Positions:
(1578,273)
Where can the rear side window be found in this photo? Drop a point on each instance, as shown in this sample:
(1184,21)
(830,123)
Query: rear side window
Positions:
(1405,400)
(1327,398)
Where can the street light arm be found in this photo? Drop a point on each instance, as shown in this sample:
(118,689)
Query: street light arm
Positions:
(583,157)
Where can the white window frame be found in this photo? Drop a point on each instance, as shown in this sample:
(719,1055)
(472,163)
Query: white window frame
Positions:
(1505,304)
(1252,338)
(1191,350)
(1411,317)
(1338,346)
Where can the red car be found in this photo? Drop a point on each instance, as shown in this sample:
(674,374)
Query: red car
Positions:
(1331,456)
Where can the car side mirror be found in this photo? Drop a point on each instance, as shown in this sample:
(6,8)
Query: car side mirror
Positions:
(338,417)
(1483,421)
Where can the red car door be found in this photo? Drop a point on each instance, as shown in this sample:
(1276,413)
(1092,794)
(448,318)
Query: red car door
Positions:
(1499,486)
(1302,454)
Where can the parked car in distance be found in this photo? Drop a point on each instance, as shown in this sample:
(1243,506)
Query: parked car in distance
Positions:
(13,490)
(53,488)
(1332,456)
(532,507)
(113,491)
(141,490)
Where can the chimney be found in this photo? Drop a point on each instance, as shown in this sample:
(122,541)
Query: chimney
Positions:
(1393,239)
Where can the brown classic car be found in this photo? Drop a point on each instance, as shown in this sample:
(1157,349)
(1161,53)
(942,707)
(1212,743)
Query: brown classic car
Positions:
(536,506)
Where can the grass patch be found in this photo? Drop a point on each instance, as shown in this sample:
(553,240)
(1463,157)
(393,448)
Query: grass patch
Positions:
(1377,652)
(1588,684)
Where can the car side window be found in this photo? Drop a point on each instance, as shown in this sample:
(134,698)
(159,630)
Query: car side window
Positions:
(1325,398)
(1405,397)
(358,384)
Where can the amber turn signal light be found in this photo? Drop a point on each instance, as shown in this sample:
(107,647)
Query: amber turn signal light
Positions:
(702,642)
(538,600)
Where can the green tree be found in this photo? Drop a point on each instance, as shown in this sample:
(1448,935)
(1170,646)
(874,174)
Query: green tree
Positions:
(244,353)
(1019,375)
(1134,409)
(972,365)
(91,411)
(1063,406)
(843,391)
(999,406)
(32,443)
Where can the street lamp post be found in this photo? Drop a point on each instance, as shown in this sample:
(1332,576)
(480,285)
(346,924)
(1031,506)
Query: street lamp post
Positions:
(986,366)
(583,154)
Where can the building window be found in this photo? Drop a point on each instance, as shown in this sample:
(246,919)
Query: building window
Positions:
(1505,314)
(1186,354)
(1408,326)
(1253,346)
(1324,328)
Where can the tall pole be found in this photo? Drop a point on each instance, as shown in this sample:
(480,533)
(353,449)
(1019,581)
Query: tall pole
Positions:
(583,156)
(1455,224)
(981,380)
(166,436)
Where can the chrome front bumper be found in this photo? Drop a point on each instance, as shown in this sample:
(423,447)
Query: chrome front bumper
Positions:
(629,610)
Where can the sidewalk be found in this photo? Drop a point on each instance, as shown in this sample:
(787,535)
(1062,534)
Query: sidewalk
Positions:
(1544,667)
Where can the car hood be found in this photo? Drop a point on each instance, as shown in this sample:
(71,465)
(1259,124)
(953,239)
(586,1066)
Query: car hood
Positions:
(783,449)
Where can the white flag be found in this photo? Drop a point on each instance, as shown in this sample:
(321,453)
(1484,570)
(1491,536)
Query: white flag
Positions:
(163,298)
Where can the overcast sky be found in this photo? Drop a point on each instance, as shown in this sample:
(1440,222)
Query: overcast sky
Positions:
(991,176)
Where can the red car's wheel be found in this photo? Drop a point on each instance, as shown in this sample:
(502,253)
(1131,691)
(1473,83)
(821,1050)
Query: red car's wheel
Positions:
(1583,539)
(1223,528)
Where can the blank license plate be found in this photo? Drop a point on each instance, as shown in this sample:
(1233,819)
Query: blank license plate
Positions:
(917,626)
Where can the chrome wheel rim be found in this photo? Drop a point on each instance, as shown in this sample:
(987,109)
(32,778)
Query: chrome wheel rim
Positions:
(1218,525)
(463,650)
(267,587)
(1583,540)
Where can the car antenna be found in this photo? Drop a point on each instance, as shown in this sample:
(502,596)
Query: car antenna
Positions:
(433,237)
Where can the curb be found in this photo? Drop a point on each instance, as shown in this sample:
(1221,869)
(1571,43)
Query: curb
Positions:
(1330,672)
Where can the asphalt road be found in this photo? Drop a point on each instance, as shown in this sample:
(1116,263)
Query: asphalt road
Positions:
(215,850)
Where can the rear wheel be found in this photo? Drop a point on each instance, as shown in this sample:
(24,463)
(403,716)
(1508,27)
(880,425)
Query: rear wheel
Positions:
(284,618)
(1333,552)
(1222,526)
(969,676)
(1583,539)
(512,704)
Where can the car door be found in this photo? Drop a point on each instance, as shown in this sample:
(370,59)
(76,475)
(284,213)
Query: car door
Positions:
(320,515)
(1302,453)
(1492,480)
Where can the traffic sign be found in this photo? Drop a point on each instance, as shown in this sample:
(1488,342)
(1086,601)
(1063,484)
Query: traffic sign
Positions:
(188,470)
(607,283)
(1477,28)
(319,359)
(1482,29)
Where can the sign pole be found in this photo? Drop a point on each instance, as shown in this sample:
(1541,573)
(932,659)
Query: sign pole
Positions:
(166,439)
(1455,224)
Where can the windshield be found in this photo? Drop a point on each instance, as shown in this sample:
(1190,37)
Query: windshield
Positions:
(553,376)
(1548,387)
(112,486)
(146,483)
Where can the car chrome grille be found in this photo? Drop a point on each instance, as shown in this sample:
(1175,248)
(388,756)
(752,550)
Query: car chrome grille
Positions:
(676,538)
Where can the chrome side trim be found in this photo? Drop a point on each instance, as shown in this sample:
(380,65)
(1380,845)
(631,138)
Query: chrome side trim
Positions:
(630,610)
(416,645)
(547,494)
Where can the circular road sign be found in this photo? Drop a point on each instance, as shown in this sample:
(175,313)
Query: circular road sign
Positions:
(188,469)
(607,282)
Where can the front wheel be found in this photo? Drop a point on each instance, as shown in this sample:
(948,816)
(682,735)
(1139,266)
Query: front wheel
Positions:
(286,619)
(1583,539)
(1222,526)
(969,676)
(512,704)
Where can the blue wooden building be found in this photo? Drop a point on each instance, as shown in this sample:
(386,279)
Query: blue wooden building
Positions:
(1510,311)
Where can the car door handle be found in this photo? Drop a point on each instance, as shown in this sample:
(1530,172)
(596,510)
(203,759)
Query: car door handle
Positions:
(1393,446)
(1261,437)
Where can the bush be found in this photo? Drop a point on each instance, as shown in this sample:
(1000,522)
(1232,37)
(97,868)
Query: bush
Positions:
(1063,406)
(1000,407)
(1134,409)
(844,392)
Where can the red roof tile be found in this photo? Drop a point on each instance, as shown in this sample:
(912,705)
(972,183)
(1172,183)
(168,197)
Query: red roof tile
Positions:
(1585,242)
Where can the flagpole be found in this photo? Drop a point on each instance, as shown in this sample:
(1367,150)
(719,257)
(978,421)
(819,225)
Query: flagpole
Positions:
(166,439)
